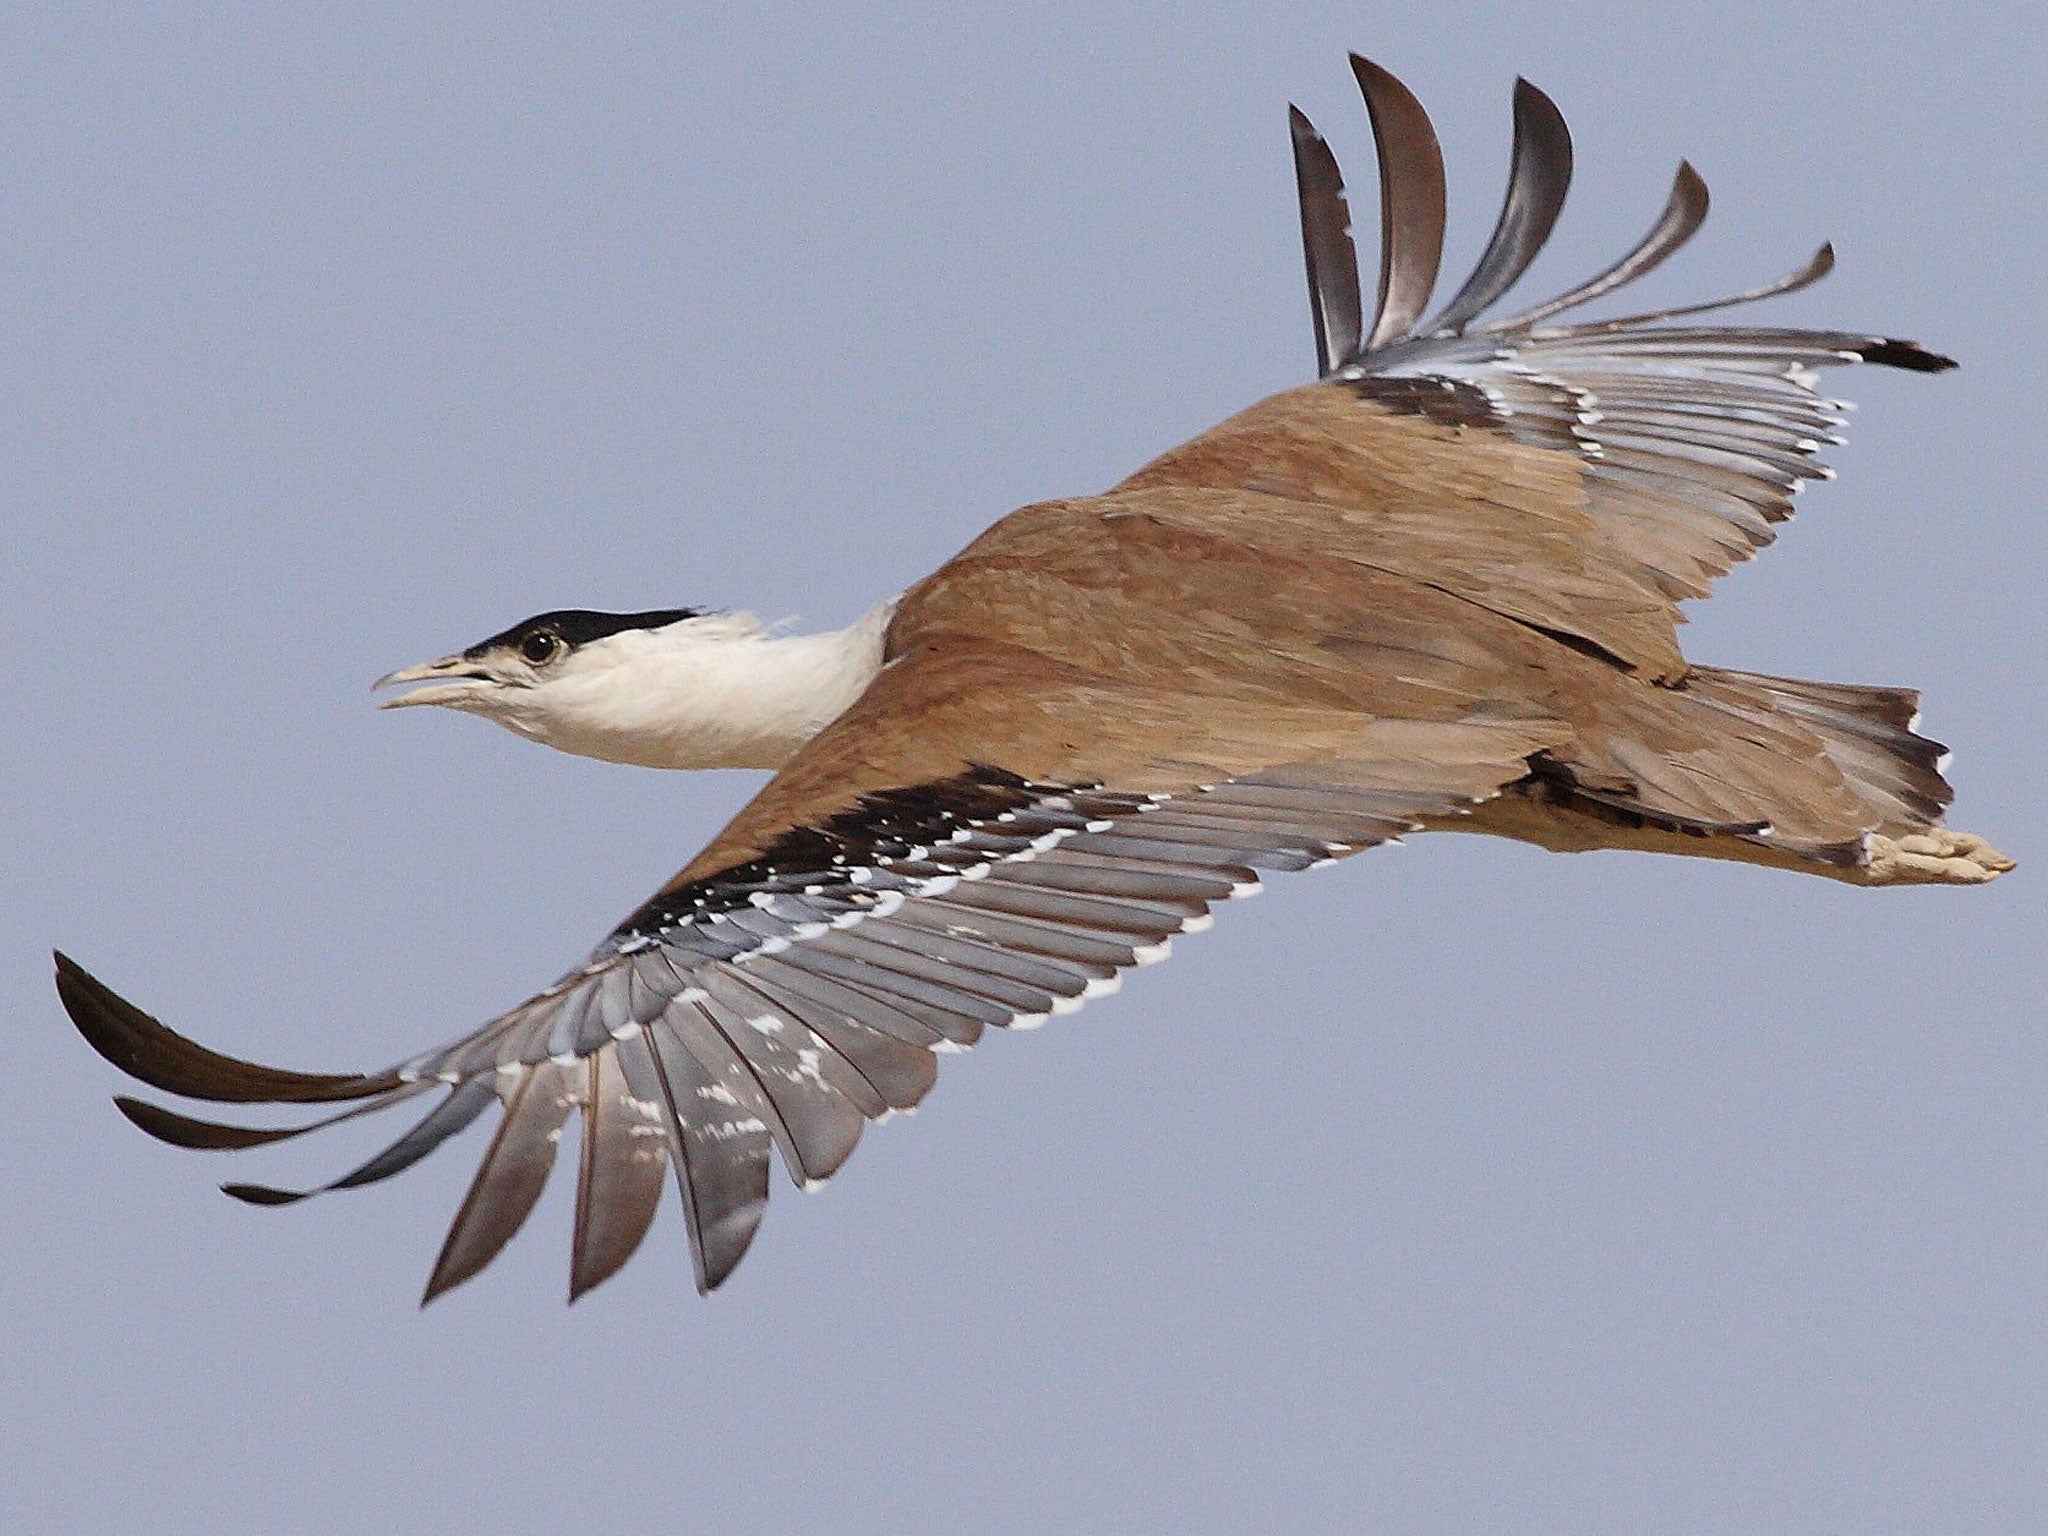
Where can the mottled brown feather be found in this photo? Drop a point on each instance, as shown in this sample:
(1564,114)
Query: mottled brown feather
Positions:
(1321,470)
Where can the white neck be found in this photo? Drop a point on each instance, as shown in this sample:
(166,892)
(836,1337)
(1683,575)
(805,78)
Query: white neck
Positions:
(711,692)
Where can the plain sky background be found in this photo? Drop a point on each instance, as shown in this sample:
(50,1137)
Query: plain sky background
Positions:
(1464,1188)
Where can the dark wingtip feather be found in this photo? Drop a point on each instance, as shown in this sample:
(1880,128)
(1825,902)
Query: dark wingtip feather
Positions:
(1539,177)
(1891,352)
(198,1135)
(263,1194)
(1412,205)
(1327,249)
(717,1274)
(213,1136)
(162,1058)
(1690,187)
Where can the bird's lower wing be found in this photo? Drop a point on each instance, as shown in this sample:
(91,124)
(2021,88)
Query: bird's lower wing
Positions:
(801,987)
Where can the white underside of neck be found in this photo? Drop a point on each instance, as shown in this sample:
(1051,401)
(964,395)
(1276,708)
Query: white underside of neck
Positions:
(712,692)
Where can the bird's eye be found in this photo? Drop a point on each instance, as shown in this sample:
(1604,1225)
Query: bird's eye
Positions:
(541,647)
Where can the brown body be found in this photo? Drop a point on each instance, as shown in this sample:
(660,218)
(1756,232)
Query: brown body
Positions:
(1315,580)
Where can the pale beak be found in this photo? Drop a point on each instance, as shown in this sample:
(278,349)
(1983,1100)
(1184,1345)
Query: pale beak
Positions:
(465,681)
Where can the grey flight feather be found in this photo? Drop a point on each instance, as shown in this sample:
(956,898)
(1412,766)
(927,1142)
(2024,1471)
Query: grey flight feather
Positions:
(623,1161)
(1411,201)
(1326,244)
(702,1043)
(510,1178)
(1539,176)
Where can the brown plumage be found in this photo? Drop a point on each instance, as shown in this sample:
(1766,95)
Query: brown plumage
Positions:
(1436,589)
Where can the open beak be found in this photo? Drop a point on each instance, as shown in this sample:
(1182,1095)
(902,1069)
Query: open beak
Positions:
(456,680)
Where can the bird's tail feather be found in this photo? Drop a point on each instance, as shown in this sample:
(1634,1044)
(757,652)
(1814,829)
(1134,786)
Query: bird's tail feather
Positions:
(1868,734)
(1827,778)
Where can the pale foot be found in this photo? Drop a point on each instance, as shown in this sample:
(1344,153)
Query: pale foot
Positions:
(1936,856)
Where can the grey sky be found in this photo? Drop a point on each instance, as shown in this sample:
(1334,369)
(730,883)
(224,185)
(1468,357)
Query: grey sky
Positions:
(1463,1188)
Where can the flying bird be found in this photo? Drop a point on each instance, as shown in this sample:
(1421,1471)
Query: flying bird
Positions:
(1436,589)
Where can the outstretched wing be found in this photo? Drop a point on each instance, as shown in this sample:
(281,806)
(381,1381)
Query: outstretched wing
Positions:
(886,897)
(1690,440)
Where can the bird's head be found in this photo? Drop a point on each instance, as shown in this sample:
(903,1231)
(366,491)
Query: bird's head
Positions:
(670,688)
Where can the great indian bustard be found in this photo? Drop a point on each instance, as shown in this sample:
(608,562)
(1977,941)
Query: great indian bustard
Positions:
(1435,589)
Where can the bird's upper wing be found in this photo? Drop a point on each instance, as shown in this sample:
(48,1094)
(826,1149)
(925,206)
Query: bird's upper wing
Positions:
(1687,442)
(999,828)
